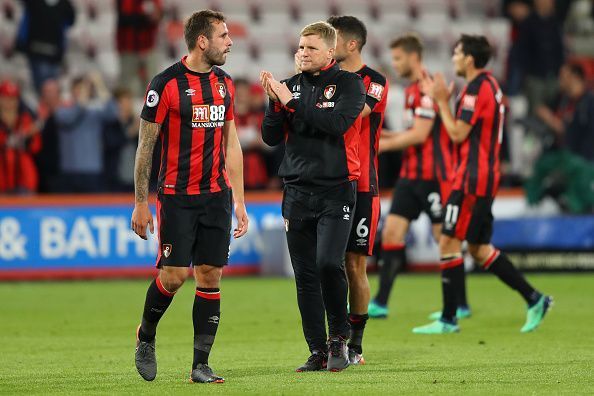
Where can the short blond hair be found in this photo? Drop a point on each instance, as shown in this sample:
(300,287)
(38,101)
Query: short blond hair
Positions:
(322,29)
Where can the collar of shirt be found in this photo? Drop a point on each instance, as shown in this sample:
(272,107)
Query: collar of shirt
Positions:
(325,74)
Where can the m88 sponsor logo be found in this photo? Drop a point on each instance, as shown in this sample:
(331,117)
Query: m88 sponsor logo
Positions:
(208,116)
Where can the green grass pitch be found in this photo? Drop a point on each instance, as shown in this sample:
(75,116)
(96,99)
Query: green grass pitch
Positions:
(78,338)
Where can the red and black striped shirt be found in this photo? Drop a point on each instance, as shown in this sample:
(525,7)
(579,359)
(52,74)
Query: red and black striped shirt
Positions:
(376,87)
(430,160)
(480,105)
(192,109)
(136,31)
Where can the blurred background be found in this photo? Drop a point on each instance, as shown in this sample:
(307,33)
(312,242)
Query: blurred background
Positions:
(73,75)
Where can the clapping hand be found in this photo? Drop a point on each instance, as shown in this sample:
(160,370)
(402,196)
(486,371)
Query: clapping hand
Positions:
(281,90)
(265,77)
(436,87)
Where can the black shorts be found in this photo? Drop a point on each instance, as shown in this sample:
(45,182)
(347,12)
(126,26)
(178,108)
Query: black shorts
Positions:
(468,218)
(411,197)
(194,229)
(367,215)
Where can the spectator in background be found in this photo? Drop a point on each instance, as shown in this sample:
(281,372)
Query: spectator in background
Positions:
(19,142)
(249,114)
(80,132)
(571,116)
(120,139)
(516,11)
(42,37)
(137,27)
(566,173)
(48,159)
(541,51)
(273,156)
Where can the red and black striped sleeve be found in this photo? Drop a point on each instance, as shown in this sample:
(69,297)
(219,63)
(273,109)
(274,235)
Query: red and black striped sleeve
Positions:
(156,101)
(376,89)
(231,90)
(471,102)
(424,106)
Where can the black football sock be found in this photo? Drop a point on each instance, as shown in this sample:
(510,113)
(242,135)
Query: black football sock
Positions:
(156,303)
(357,323)
(393,257)
(499,264)
(205,315)
(452,277)
(462,300)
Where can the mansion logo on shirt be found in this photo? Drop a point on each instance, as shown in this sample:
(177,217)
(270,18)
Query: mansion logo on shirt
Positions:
(208,116)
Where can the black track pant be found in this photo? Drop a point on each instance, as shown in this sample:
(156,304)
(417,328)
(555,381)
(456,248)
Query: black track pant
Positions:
(318,226)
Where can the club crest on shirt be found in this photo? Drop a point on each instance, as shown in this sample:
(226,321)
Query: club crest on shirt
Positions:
(375,90)
(329,91)
(167,249)
(221,89)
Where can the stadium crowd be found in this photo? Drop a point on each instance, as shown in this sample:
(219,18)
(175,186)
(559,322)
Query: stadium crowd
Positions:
(73,133)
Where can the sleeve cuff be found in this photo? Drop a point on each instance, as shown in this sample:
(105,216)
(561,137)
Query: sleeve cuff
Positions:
(147,118)
(292,105)
(467,116)
(371,102)
(425,113)
(276,107)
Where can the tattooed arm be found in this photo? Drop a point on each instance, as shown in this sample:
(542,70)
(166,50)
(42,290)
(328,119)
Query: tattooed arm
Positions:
(141,217)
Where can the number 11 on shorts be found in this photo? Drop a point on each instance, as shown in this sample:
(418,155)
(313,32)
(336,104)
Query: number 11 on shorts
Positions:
(451,215)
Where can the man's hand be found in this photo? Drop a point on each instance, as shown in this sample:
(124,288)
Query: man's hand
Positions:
(265,77)
(141,217)
(242,221)
(437,88)
(281,90)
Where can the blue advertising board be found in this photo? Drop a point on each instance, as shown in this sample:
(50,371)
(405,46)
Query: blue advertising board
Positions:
(100,236)
(88,236)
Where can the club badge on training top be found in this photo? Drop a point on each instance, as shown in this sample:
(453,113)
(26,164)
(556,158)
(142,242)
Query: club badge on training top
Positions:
(329,91)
